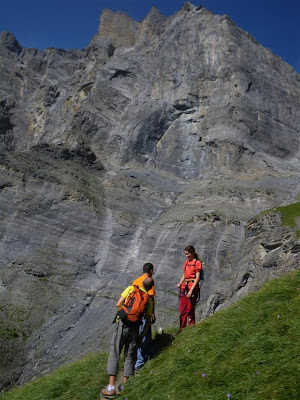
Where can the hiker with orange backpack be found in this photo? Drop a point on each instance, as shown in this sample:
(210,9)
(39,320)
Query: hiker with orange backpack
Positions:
(144,350)
(132,306)
(189,287)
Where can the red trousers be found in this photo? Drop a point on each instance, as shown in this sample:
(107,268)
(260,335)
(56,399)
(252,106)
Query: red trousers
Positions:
(187,310)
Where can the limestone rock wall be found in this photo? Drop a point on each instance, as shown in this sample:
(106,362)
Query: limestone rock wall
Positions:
(161,133)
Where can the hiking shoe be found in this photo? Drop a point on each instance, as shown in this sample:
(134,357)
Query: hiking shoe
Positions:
(121,387)
(108,394)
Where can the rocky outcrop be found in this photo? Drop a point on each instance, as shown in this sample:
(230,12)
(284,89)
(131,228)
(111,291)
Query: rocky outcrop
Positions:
(161,133)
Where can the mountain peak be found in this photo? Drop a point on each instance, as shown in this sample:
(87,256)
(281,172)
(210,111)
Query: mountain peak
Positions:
(187,6)
(119,27)
(9,41)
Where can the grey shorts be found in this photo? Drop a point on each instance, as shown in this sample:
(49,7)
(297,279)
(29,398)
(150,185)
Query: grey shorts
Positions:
(123,336)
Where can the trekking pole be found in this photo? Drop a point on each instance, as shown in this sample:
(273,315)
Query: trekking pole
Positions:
(115,318)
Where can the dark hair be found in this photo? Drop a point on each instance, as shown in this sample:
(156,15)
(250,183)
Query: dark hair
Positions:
(148,283)
(147,268)
(191,249)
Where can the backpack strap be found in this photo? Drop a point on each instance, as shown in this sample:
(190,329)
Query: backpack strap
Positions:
(186,263)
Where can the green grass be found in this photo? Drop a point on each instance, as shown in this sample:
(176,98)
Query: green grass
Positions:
(82,380)
(249,351)
(290,216)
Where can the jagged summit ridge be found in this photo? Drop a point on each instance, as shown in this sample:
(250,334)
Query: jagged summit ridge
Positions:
(124,31)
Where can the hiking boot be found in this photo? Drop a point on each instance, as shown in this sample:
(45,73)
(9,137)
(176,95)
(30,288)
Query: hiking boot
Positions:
(108,394)
(121,387)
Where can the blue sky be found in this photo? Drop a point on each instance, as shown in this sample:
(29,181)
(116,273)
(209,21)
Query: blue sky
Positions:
(72,23)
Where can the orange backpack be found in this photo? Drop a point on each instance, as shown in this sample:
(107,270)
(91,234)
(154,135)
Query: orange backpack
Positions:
(134,306)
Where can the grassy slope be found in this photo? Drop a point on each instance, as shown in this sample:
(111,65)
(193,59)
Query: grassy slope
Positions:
(249,351)
(80,380)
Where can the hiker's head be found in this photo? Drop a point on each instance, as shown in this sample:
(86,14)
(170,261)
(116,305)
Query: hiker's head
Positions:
(190,253)
(148,269)
(148,283)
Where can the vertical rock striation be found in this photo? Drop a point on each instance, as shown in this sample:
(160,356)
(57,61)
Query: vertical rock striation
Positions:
(161,133)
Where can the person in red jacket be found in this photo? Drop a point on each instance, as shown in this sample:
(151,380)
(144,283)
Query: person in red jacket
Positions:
(189,287)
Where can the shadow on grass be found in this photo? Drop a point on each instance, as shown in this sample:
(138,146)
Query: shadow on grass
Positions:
(161,342)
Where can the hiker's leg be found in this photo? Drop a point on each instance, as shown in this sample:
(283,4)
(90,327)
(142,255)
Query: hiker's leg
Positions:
(148,342)
(131,339)
(112,380)
(116,346)
(143,352)
(183,300)
(139,359)
(191,312)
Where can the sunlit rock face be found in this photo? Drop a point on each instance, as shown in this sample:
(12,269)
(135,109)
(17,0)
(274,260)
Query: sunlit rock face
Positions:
(160,134)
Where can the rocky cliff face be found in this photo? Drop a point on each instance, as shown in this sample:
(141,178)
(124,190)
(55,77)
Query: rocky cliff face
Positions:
(161,133)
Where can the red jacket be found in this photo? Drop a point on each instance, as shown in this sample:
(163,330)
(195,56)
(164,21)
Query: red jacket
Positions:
(190,268)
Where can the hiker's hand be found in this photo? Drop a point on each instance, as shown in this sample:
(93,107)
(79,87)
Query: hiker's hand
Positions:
(153,318)
(189,295)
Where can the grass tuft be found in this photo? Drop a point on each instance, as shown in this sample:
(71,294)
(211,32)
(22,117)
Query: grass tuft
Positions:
(290,215)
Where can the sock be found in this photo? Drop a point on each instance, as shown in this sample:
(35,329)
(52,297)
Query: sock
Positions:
(110,387)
